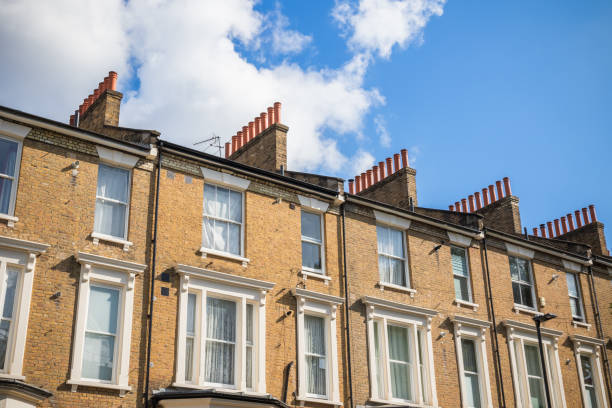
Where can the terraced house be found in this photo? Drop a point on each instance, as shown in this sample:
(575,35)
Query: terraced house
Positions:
(137,272)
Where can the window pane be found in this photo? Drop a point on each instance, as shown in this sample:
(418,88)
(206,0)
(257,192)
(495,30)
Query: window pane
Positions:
(461,288)
(378,360)
(249,323)
(459,261)
(208,233)
(532,359)
(103,309)
(5,194)
(575,308)
(384,245)
(222,203)
(397,272)
(113,183)
(98,353)
(401,379)
(472,390)
(536,393)
(311,225)
(514,272)
(587,372)
(110,218)
(12,275)
(189,359)
(469,355)
(316,365)
(221,236)
(526,295)
(5,326)
(8,157)
(235,206)
(398,343)
(314,328)
(591,398)
(523,268)
(249,366)
(191,312)
(516,292)
(210,200)
(221,319)
(311,255)
(234,239)
(396,239)
(219,363)
(571,284)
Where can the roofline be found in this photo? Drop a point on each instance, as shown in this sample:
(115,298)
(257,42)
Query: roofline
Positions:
(168,395)
(66,129)
(477,234)
(248,170)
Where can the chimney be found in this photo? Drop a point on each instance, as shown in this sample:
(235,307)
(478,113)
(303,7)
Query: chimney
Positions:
(535,231)
(463,205)
(397,187)
(457,206)
(264,142)
(471,202)
(570,221)
(557,230)
(478,203)
(501,212)
(563,225)
(351,186)
(101,109)
(550,229)
(590,233)
(543,230)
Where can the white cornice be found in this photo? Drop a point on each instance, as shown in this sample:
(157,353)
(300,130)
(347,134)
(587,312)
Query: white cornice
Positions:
(470,321)
(519,251)
(116,158)
(109,263)
(227,278)
(218,177)
(575,338)
(388,304)
(316,296)
(392,220)
(313,203)
(22,245)
(459,239)
(13,130)
(571,266)
(531,328)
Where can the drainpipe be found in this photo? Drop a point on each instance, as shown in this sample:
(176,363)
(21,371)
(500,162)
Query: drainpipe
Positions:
(346,308)
(153,259)
(601,333)
(495,342)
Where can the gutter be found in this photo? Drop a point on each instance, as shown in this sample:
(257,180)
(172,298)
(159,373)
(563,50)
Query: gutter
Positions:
(72,131)
(177,395)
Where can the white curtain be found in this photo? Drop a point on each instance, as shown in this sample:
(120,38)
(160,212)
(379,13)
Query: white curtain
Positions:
(110,215)
(8,159)
(101,328)
(470,367)
(400,363)
(221,341)
(249,346)
(460,273)
(391,242)
(10,283)
(572,288)
(316,358)
(190,338)
(220,207)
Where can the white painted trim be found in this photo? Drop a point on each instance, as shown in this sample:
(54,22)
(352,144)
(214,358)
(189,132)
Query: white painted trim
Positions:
(459,239)
(116,158)
(468,277)
(10,220)
(218,177)
(314,275)
(321,216)
(474,330)
(230,279)
(319,401)
(313,203)
(401,307)
(521,309)
(206,251)
(97,237)
(14,185)
(23,254)
(590,347)
(519,251)
(532,329)
(392,220)
(114,272)
(571,266)
(382,285)
(459,303)
(322,305)
(14,130)
(581,324)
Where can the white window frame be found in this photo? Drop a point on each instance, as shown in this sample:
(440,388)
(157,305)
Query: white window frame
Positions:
(402,225)
(312,271)
(325,306)
(518,334)
(22,255)
(475,330)
(468,278)
(13,132)
(204,283)
(117,274)
(591,348)
(419,321)
(115,158)
(236,184)
(578,297)
(519,306)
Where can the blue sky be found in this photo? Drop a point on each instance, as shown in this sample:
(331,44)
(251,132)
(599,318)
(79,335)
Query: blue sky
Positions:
(476,90)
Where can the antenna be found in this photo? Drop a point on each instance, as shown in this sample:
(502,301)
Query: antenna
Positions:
(214,141)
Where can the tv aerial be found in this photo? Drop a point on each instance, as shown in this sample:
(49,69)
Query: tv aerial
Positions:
(212,143)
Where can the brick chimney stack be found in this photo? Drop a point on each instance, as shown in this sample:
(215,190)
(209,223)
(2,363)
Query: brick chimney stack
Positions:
(101,108)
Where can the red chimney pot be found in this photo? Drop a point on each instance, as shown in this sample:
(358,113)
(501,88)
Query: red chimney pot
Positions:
(72,120)
(557,230)
(404,153)
(370,181)
(457,206)
(351,186)
(570,221)
(485,196)
(563,225)
(389,167)
(471,201)
(375,174)
(578,220)
(257,125)
(478,203)
(113,80)
(507,189)
(543,230)
(235,142)
(263,116)
(245,136)
(451,208)
(492,193)
(500,194)
(364,181)
(396,161)
(535,231)
(277,112)
(463,205)
(251,131)
(550,229)
(270,116)
(592,211)
(585,216)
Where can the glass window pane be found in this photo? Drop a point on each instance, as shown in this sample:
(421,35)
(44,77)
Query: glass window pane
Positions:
(591,398)
(532,359)
(113,183)
(221,236)
(516,292)
(208,233)
(221,319)
(235,206)
(8,156)
(311,255)
(401,380)
(468,350)
(110,218)
(514,269)
(219,363)
(536,393)
(526,295)
(189,359)
(587,372)
(314,329)
(5,194)
(234,239)
(459,261)
(461,288)
(12,276)
(398,343)
(397,242)
(523,267)
(191,313)
(249,323)
(572,288)
(397,272)
(249,366)
(383,267)
(311,225)
(222,203)
(103,309)
(384,245)
(98,355)
(472,390)
(316,361)
(574,307)
(5,326)
(210,200)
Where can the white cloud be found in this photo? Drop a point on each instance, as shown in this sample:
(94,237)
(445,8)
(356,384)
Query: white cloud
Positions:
(413,153)
(381,130)
(284,40)
(378,25)
(361,162)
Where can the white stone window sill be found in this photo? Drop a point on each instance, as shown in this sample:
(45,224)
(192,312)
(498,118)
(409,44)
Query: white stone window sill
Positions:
(318,401)
(97,237)
(465,303)
(12,376)
(383,285)
(576,323)
(400,403)
(206,251)
(315,275)
(520,309)
(95,384)
(10,220)
(220,389)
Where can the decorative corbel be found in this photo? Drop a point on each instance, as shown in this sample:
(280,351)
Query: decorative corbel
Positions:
(370,312)
(511,333)
(301,302)
(457,330)
(429,320)
(131,279)
(31,262)
(262,298)
(483,334)
(555,343)
(333,312)
(184,283)
(85,271)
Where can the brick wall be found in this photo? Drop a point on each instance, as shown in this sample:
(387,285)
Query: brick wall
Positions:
(395,189)
(268,150)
